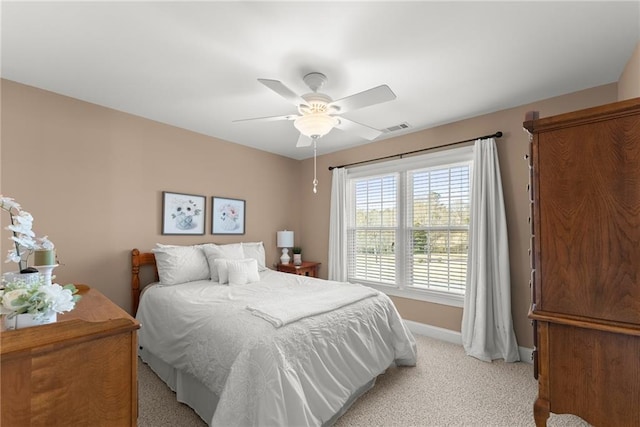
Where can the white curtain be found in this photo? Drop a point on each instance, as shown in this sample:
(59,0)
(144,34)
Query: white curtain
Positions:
(338,227)
(487,326)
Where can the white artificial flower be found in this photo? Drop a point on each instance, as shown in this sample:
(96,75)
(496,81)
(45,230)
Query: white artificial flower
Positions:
(58,298)
(12,256)
(9,300)
(21,229)
(7,203)
(25,241)
(45,243)
(22,223)
(24,238)
(36,298)
(23,217)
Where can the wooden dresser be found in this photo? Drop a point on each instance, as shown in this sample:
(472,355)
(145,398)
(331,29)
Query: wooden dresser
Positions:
(80,371)
(585,212)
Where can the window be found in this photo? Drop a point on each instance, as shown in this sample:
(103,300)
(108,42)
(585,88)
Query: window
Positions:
(408,225)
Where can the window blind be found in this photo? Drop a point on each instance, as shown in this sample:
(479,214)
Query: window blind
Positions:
(409,228)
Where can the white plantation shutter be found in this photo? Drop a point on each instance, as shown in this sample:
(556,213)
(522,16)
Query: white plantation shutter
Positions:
(373,230)
(408,223)
(438,228)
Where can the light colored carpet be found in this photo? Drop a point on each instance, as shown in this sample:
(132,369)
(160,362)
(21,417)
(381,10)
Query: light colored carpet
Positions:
(446,388)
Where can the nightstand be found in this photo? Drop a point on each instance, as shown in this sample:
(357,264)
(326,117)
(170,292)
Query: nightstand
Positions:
(307,268)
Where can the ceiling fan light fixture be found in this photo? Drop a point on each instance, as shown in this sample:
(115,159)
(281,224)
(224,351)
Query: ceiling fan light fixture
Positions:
(315,125)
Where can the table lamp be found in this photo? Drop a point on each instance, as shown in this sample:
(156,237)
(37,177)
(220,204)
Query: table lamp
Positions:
(285,241)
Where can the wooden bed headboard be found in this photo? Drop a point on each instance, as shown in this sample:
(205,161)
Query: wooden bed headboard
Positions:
(139,259)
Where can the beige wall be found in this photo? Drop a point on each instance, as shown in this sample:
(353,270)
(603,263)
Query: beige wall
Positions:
(93,179)
(511,150)
(629,83)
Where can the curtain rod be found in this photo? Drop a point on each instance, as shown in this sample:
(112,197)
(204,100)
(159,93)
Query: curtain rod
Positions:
(495,135)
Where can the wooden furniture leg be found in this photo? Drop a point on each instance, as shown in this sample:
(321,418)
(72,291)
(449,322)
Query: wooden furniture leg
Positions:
(541,412)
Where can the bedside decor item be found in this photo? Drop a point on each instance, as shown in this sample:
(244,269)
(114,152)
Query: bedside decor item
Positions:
(44,261)
(24,239)
(44,257)
(29,301)
(12,276)
(297,255)
(183,213)
(228,216)
(284,240)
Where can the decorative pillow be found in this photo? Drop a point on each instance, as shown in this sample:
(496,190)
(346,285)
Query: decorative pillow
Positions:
(255,250)
(213,252)
(223,271)
(180,264)
(243,271)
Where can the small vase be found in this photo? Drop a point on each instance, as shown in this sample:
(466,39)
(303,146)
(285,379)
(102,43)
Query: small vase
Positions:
(297,259)
(13,276)
(27,320)
(184,222)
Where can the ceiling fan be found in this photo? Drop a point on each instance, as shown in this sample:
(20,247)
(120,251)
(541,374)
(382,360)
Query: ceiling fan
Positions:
(318,114)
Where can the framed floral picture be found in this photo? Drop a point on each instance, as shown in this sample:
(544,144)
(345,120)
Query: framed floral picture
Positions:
(227,216)
(183,213)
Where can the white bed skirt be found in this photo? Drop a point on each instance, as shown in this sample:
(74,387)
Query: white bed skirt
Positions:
(203,401)
(188,390)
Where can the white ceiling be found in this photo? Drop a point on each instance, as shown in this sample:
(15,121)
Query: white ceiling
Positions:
(195,65)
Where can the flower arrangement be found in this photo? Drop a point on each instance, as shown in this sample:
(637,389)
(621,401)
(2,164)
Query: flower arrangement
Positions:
(229,214)
(32,294)
(37,298)
(24,239)
(229,211)
(183,213)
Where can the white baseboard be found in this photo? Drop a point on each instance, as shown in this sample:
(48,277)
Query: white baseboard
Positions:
(455,337)
(526,354)
(434,332)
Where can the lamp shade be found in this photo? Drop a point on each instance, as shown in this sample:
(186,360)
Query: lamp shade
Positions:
(285,239)
(315,124)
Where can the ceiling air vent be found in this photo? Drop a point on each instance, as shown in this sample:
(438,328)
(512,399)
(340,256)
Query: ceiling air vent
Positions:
(396,128)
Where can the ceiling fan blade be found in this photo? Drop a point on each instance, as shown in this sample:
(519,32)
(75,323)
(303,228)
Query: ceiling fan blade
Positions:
(269,119)
(369,97)
(303,141)
(283,91)
(361,130)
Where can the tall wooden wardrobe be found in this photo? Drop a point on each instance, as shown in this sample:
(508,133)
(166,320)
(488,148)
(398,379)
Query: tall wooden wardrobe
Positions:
(585,248)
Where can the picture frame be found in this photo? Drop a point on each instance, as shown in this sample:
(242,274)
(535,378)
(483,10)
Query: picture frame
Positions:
(183,214)
(227,215)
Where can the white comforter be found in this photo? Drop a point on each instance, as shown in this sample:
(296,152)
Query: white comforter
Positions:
(299,374)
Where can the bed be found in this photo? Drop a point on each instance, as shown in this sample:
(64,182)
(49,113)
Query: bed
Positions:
(244,345)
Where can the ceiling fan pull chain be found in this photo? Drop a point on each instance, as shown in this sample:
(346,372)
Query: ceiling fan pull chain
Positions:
(315,180)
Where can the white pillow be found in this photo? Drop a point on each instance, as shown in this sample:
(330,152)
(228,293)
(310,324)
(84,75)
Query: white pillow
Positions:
(255,250)
(223,271)
(213,252)
(180,264)
(243,271)
(230,246)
